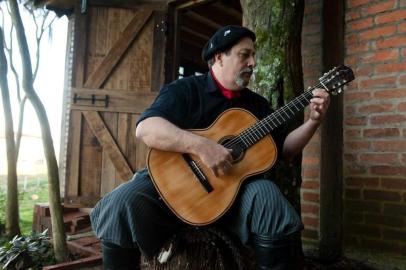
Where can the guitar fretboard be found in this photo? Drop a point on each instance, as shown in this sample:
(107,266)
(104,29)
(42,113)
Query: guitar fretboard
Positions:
(284,114)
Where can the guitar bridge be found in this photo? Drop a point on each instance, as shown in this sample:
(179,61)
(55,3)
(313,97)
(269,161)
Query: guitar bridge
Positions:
(198,173)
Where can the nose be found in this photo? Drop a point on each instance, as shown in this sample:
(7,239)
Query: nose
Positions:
(251,61)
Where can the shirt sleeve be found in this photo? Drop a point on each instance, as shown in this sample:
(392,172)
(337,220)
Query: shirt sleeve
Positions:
(170,104)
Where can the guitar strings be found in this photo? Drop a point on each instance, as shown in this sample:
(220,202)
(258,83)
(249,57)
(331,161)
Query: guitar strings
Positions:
(252,129)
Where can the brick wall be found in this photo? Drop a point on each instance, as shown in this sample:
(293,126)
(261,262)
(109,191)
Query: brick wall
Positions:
(374,125)
(312,68)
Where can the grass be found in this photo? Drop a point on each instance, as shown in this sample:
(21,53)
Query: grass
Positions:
(32,190)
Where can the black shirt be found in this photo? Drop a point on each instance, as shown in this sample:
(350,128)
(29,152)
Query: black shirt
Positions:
(195,102)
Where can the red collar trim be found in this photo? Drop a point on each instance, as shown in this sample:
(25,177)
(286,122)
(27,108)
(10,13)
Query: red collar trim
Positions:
(228,94)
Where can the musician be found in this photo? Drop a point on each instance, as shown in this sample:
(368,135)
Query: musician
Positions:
(134,216)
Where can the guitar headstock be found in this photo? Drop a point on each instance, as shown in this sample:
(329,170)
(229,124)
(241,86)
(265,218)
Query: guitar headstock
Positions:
(334,80)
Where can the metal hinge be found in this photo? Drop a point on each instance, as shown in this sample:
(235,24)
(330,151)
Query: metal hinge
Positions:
(93,99)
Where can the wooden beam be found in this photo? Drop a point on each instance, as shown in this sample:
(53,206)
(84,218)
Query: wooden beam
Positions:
(108,143)
(228,11)
(331,167)
(203,20)
(188,4)
(151,4)
(97,78)
(122,101)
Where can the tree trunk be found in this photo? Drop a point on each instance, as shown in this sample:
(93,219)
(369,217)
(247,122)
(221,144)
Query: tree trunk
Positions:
(58,232)
(279,75)
(12,216)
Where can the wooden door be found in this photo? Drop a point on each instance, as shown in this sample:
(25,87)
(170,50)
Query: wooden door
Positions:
(117,69)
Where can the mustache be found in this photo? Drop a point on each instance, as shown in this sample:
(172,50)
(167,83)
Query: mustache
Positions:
(249,70)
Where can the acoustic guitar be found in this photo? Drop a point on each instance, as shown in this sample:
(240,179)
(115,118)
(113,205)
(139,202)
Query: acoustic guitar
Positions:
(193,192)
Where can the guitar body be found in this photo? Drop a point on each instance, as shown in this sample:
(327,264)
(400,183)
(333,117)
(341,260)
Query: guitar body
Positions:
(184,194)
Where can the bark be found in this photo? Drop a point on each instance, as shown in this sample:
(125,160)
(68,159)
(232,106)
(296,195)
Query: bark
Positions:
(279,75)
(58,232)
(12,213)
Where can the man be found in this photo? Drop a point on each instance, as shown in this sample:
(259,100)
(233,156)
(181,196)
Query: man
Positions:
(134,216)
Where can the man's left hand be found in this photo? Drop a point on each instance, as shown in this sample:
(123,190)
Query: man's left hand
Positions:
(319,104)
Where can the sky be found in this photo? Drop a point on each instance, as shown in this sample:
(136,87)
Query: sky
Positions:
(49,85)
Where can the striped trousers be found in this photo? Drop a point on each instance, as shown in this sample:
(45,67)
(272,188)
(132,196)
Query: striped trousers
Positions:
(133,215)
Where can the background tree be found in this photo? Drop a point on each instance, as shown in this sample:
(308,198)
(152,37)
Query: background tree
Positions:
(40,19)
(12,216)
(279,75)
(58,233)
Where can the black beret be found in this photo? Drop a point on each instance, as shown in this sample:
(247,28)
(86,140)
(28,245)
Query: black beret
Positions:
(225,38)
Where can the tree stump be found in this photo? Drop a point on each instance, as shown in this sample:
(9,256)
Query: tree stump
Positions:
(208,248)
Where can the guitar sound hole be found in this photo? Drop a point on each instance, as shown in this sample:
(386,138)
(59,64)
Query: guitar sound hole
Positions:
(238,151)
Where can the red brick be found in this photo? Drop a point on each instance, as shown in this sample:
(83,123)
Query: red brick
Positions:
(378,159)
(377,32)
(307,160)
(396,146)
(356,3)
(356,121)
(377,8)
(352,133)
(357,48)
(402,80)
(309,233)
(393,183)
(380,245)
(388,119)
(352,193)
(394,16)
(394,234)
(402,27)
(312,9)
(380,56)
(359,229)
(376,108)
(394,209)
(354,168)
(384,220)
(311,197)
(350,110)
(402,107)
(310,222)
(350,157)
(352,15)
(392,67)
(364,71)
(310,184)
(380,195)
(358,145)
(362,206)
(352,217)
(393,42)
(388,170)
(359,24)
(403,52)
(351,39)
(393,93)
(310,173)
(362,181)
(375,83)
(310,208)
(381,133)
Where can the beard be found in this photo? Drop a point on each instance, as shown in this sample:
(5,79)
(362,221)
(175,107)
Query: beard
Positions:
(243,77)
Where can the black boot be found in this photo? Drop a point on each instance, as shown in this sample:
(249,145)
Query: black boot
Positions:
(272,254)
(118,258)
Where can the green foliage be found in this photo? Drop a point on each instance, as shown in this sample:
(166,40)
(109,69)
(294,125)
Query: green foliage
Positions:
(30,252)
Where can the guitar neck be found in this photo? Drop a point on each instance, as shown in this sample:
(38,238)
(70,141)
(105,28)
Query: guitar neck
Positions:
(276,119)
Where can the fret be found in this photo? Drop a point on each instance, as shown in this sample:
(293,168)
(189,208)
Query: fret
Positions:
(262,128)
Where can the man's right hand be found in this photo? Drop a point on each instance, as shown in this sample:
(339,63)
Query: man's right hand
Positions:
(214,156)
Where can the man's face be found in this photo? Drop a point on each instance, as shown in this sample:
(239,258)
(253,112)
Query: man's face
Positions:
(239,63)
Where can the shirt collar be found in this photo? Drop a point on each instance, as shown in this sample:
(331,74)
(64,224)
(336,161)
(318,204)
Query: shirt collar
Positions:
(218,87)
